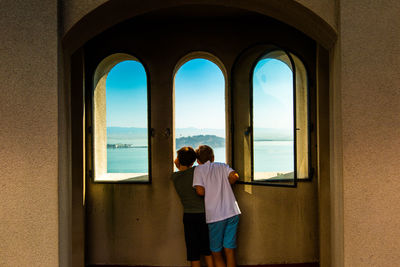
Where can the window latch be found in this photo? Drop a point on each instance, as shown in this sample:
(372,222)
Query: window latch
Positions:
(167,132)
(248,131)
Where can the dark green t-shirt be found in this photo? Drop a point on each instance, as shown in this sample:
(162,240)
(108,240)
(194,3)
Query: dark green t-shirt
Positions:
(183,182)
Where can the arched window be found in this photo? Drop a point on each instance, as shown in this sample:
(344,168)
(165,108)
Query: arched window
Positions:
(199,106)
(279,112)
(120,121)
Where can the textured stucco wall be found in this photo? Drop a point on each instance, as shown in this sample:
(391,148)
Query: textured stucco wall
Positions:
(370,84)
(142,225)
(28,136)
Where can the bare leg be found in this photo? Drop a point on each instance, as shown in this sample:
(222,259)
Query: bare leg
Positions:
(218,259)
(209,261)
(195,263)
(230,257)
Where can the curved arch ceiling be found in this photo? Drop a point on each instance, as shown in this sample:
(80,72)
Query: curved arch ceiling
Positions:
(291,13)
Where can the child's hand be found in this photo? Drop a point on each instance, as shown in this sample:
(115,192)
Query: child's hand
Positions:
(177,164)
(233,177)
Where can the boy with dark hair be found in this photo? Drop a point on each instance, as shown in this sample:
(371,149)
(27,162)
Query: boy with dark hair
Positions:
(194,221)
(213,180)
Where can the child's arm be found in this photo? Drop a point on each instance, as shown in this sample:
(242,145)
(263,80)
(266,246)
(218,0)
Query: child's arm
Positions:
(198,182)
(200,190)
(233,177)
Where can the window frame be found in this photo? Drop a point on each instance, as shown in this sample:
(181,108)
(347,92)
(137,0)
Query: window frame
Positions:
(206,55)
(110,61)
(251,105)
(261,53)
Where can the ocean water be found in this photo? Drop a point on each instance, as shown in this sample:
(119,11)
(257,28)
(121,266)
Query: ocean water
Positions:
(273,156)
(269,156)
(127,160)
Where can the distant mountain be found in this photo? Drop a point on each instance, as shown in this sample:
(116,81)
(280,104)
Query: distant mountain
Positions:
(127,135)
(182,132)
(260,134)
(194,141)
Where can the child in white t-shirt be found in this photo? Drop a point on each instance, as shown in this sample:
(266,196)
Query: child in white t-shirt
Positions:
(214,180)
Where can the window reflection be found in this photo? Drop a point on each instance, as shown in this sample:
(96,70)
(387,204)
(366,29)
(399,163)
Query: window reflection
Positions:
(273,135)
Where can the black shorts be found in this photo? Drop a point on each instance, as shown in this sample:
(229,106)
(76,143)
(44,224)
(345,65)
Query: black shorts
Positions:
(196,235)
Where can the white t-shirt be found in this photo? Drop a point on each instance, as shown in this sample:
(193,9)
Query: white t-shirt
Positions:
(219,200)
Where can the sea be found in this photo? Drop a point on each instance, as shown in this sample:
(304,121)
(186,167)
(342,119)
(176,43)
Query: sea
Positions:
(269,156)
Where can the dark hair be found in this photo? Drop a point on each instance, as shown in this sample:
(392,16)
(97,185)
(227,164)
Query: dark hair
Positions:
(204,153)
(186,156)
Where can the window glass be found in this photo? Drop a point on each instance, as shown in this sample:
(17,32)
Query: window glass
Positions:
(200,107)
(121,121)
(273,133)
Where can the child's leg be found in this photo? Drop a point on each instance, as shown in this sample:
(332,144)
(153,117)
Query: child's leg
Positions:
(216,232)
(209,261)
(191,238)
(204,241)
(230,240)
(195,263)
(230,257)
(218,259)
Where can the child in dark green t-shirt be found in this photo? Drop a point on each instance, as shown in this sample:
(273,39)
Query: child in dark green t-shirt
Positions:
(194,220)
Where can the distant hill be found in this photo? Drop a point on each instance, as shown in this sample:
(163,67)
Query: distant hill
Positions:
(194,141)
(179,132)
(125,134)
(184,132)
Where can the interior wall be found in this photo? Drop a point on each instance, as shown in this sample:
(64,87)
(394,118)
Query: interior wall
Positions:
(141,224)
(324,159)
(370,104)
(29,133)
(336,155)
(326,9)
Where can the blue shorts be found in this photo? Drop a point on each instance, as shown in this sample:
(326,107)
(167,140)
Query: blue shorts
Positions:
(223,233)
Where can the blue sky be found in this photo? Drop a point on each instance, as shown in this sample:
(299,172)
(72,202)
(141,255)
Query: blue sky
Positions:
(272,95)
(200,95)
(126,95)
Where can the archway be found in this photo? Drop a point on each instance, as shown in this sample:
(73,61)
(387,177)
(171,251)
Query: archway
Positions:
(161,95)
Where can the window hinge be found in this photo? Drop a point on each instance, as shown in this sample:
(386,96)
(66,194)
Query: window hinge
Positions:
(90,174)
(89,129)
